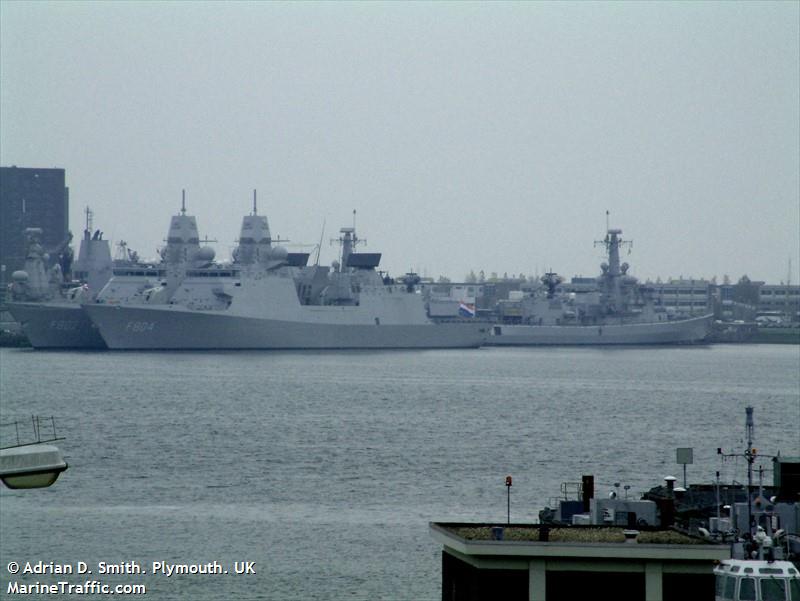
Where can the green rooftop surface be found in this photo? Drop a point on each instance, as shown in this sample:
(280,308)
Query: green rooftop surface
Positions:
(574,535)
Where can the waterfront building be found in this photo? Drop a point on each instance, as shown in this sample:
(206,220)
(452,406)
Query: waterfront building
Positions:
(31,198)
(533,562)
(686,296)
(779,300)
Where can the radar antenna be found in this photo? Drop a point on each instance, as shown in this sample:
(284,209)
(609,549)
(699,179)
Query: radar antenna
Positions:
(348,241)
(87,232)
(750,455)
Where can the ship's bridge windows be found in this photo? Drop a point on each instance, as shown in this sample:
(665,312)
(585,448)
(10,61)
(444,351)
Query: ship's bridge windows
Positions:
(730,587)
(747,589)
(773,589)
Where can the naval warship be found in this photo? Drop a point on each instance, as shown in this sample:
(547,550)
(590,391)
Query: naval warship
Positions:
(53,317)
(49,312)
(618,311)
(271,299)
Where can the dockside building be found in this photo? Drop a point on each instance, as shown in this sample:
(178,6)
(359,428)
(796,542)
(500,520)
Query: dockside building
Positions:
(31,198)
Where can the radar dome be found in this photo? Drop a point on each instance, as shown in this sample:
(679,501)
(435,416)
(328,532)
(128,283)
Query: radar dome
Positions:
(20,276)
(206,253)
(278,253)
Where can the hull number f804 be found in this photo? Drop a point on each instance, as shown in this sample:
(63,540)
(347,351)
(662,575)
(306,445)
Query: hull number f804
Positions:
(140,326)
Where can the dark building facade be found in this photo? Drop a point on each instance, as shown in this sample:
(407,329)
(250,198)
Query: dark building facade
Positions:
(31,198)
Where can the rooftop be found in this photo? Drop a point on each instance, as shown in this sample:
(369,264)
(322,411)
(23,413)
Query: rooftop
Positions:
(571,534)
(602,543)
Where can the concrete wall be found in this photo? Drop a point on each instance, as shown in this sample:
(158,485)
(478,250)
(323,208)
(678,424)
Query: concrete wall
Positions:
(549,579)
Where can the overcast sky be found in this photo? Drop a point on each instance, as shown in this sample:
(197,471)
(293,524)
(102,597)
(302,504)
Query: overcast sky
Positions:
(467,136)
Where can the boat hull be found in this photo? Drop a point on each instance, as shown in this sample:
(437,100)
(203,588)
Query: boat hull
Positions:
(57,325)
(684,331)
(175,328)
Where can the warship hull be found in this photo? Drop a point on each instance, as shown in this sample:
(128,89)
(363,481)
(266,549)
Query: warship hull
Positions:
(53,325)
(685,331)
(175,328)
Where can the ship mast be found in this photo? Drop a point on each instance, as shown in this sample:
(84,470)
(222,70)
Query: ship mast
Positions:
(749,454)
(348,241)
(88,231)
(611,270)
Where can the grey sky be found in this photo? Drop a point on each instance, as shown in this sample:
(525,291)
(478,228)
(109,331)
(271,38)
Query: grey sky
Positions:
(467,136)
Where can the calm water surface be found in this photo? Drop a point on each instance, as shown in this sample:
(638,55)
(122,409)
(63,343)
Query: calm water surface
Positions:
(325,468)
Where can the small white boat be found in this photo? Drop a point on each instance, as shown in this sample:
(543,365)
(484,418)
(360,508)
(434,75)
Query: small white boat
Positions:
(756,580)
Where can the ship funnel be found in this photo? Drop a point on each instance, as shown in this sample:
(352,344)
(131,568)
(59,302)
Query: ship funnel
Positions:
(587,491)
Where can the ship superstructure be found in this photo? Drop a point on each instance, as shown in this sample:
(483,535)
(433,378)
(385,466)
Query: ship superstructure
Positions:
(270,299)
(48,308)
(618,311)
(56,319)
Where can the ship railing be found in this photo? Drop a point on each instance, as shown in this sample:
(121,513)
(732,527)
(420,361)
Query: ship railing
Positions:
(571,491)
(42,429)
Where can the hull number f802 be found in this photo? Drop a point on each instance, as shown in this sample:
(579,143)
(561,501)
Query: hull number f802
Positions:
(140,326)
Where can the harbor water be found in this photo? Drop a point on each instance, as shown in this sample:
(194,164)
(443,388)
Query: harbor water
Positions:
(325,468)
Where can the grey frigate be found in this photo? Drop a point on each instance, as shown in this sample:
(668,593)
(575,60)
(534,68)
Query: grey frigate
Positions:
(270,299)
(49,310)
(53,316)
(618,311)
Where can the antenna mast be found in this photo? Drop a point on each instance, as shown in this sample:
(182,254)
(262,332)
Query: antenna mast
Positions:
(183,202)
(88,220)
(319,246)
(255,210)
(750,456)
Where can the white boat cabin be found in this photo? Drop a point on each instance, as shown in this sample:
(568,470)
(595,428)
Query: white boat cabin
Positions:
(757,580)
